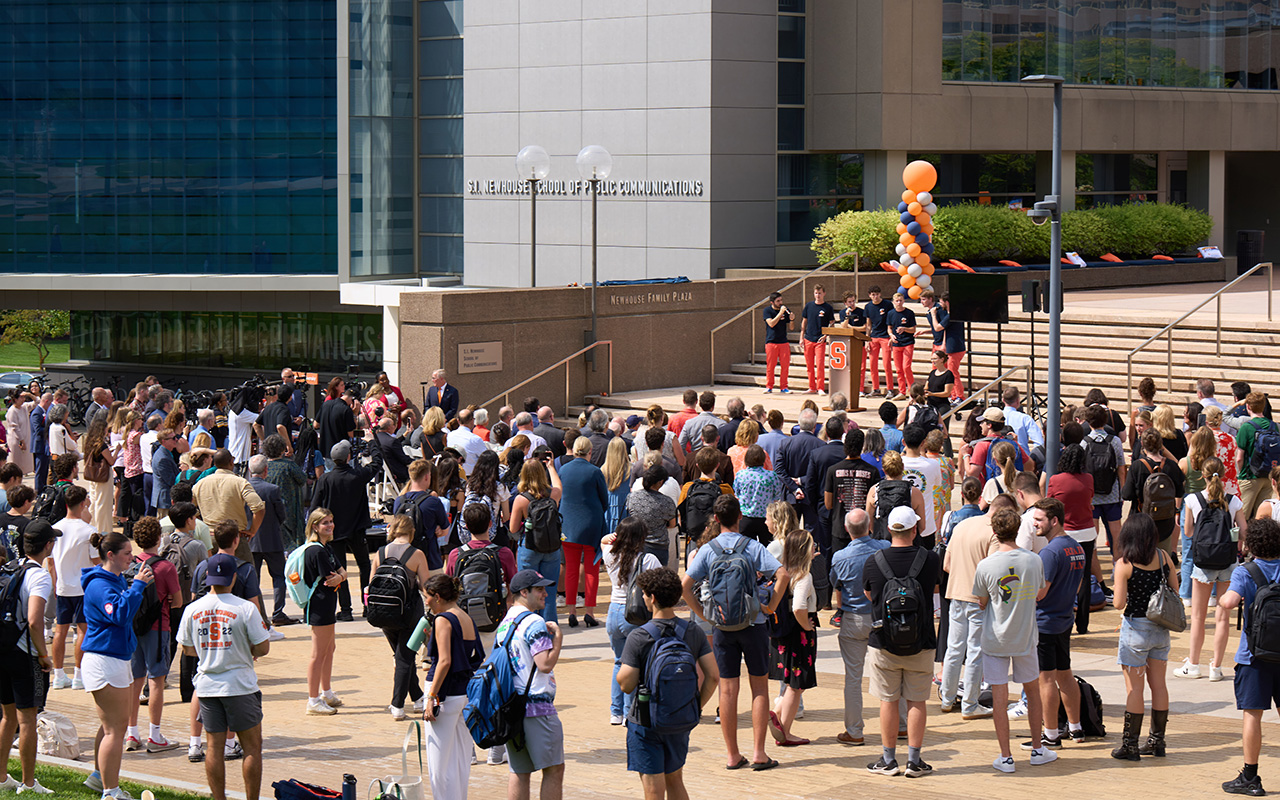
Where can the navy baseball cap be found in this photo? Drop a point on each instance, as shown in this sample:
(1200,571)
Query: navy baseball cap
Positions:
(527,579)
(221,570)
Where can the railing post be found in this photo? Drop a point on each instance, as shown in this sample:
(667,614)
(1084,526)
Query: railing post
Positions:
(611,368)
(753,340)
(1270,287)
(1218,338)
(713,359)
(1169,360)
(1128,384)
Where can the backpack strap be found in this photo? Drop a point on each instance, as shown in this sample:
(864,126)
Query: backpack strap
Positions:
(918,564)
(883,564)
(507,647)
(716,548)
(1255,572)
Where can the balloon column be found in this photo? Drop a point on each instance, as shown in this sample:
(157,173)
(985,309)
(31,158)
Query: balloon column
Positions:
(915,229)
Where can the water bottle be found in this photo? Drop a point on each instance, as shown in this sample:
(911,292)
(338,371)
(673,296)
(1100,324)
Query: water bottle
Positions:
(642,698)
(348,787)
(419,634)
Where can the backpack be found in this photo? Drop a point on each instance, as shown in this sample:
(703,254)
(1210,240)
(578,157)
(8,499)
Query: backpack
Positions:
(695,511)
(172,548)
(890,495)
(57,736)
(670,681)
(1211,543)
(782,622)
(541,524)
(495,710)
(409,506)
(483,592)
(1264,618)
(13,619)
(635,611)
(149,612)
(729,598)
(992,469)
(389,603)
(903,604)
(1265,453)
(1100,462)
(294,570)
(1159,499)
(1090,711)
(927,417)
(9,544)
(51,504)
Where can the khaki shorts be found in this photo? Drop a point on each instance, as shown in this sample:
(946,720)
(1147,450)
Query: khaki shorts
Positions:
(901,677)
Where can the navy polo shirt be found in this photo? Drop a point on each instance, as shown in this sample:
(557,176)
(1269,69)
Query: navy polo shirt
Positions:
(775,334)
(877,314)
(817,317)
(899,319)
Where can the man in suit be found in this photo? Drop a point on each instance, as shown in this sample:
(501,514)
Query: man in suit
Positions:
(822,459)
(392,447)
(268,545)
(294,396)
(344,491)
(792,466)
(443,395)
(546,428)
(40,439)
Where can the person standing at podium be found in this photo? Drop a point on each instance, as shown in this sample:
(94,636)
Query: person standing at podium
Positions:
(902,324)
(877,312)
(817,315)
(777,321)
(853,317)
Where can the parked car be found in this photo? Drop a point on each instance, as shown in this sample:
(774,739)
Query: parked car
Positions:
(10,380)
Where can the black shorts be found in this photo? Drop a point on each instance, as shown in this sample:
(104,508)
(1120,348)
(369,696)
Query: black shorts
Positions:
(731,648)
(1054,651)
(323,608)
(1257,686)
(22,683)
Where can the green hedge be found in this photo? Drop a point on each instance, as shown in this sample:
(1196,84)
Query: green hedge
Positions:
(985,234)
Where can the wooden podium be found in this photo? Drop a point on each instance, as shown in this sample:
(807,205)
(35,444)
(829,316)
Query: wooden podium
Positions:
(845,353)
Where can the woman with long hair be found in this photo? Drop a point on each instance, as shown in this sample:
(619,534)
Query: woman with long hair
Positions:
(110,604)
(17,420)
(624,558)
(98,458)
(971,433)
(400,533)
(132,501)
(1143,655)
(1224,448)
(541,482)
(1200,448)
(1005,456)
(1206,579)
(797,648)
(873,449)
(617,468)
(451,490)
(1074,488)
(433,435)
(483,487)
(1175,441)
(1154,459)
(322,569)
(454,652)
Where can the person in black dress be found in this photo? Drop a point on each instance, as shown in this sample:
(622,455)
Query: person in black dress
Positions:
(321,567)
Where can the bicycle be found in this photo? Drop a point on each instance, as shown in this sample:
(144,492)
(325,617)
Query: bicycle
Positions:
(78,399)
(115,386)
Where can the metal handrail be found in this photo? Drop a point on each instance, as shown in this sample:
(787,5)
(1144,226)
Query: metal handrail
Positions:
(506,394)
(753,307)
(974,395)
(1167,331)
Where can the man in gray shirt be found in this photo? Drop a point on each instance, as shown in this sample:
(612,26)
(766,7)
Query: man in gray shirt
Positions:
(691,433)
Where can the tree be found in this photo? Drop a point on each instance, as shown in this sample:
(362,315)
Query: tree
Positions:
(34,327)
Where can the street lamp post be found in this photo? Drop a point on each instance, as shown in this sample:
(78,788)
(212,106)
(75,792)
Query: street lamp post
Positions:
(1051,208)
(594,165)
(533,164)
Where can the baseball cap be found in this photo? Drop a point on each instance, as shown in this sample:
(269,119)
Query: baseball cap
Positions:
(527,579)
(901,518)
(633,420)
(340,451)
(993,414)
(221,570)
(39,530)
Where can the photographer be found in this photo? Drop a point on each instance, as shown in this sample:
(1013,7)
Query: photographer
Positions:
(344,492)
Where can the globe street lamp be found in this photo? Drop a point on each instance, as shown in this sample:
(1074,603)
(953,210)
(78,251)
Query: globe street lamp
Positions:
(594,165)
(533,164)
(1051,208)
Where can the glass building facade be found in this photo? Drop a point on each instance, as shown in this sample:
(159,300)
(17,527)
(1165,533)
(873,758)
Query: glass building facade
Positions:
(1214,44)
(440,137)
(169,137)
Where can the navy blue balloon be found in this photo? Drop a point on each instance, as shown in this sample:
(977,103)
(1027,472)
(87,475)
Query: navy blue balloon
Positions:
(902,290)
(902,208)
(913,227)
(922,239)
(927,247)
(908,220)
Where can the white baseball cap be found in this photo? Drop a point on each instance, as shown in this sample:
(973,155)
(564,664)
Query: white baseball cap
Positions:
(902,518)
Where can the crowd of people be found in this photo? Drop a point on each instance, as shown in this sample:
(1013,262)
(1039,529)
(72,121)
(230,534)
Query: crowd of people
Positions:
(951,563)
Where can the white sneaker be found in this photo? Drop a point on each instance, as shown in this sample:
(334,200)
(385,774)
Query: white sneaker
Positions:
(319,708)
(94,782)
(420,705)
(1187,670)
(1215,674)
(616,719)
(1213,602)
(9,783)
(195,753)
(77,683)
(232,751)
(117,793)
(397,713)
(1018,709)
(61,682)
(48,635)
(331,699)
(497,755)
(132,744)
(35,787)
(1186,603)
(1043,756)
(1003,764)
(274,635)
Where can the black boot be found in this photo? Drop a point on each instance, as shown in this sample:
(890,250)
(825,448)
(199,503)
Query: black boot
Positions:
(1154,745)
(1128,749)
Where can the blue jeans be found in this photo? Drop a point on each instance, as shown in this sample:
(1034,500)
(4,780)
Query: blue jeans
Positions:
(964,648)
(548,566)
(617,627)
(1184,591)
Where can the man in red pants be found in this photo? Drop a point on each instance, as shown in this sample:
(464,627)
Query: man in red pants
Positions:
(877,312)
(777,321)
(817,315)
(902,326)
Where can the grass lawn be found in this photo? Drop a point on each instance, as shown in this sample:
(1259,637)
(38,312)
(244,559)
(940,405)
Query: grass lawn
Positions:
(68,783)
(24,355)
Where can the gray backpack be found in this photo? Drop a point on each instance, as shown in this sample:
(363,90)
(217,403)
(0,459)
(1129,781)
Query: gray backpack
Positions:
(729,600)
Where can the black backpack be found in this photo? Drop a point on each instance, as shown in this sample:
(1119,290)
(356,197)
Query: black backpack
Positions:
(890,495)
(393,590)
(1211,543)
(1264,618)
(905,608)
(695,511)
(1100,462)
(782,622)
(483,592)
(151,609)
(13,619)
(1159,498)
(1090,711)
(927,417)
(411,508)
(635,611)
(51,504)
(541,524)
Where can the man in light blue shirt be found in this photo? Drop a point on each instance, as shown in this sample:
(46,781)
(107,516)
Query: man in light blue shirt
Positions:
(889,430)
(773,441)
(204,418)
(750,644)
(1027,429)
(855,615)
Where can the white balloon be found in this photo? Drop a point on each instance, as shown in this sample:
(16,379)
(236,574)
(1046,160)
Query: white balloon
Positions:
(901,248)
(906,260)
(896,266)
(931,209)
(923,281)
(916,271)
(924,198)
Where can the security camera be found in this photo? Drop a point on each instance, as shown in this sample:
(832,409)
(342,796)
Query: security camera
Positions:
(1038,216)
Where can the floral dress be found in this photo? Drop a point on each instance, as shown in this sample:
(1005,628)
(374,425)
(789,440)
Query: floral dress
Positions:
(942,491)
(795,654)
(1225,451)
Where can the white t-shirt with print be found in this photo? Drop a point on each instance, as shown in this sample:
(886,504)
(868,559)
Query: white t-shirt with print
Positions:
(924,474)
(223,628)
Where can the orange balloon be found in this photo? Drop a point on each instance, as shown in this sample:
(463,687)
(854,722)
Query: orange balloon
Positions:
(902,228)
(913,250)
(928,269)
(909,196)
(922,259)
(905,238)
(924,219)
(902,270)
(919,176)
(914,209)
(907,280)
(926,228)
(914,292)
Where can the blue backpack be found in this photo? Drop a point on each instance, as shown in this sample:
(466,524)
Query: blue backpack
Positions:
(671,681)
(993,470)
(495,710)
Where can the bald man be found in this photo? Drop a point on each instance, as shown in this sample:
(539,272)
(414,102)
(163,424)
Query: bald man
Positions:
(855,615)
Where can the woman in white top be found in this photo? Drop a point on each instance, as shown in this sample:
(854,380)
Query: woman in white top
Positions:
(797,648)
(17,421)
(61,441)
(624,557)
(670,488)
(1270,508)
(1204,579)
(655,417)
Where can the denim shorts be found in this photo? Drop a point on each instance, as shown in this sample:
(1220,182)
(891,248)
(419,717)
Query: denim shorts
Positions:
(650,753)
(1212,575)
(151,656)
(1140,640)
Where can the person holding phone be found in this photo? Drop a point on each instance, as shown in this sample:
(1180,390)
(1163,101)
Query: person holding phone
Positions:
(454,652)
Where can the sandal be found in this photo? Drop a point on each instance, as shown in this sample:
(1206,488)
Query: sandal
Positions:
(761,766)
(742,762)
(775,728)
(793,742)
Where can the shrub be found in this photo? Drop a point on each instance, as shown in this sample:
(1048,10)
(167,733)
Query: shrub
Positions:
(986,234)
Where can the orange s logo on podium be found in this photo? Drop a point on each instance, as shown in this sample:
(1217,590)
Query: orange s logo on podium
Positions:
(839,354)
